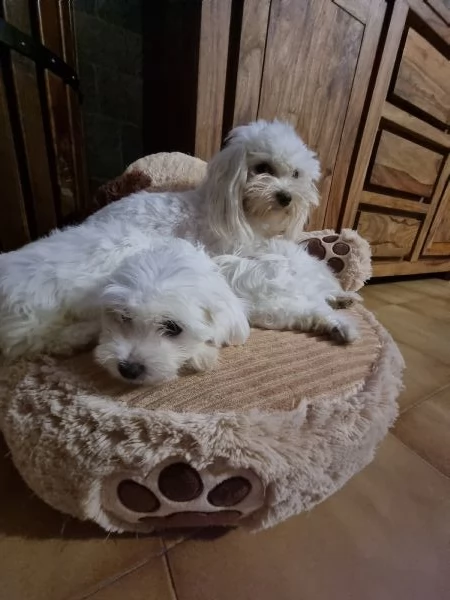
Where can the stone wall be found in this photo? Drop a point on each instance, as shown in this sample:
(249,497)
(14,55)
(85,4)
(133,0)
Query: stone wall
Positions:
(109,40)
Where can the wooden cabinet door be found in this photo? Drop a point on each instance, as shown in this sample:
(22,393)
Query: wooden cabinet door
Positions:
(402,161)
(438,240)
(313,72)
(221,63)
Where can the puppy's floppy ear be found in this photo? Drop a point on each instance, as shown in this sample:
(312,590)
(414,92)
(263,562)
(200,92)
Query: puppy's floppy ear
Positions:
(224,187)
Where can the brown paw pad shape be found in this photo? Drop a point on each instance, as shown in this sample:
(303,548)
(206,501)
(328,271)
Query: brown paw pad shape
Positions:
(175,494)
(330,249)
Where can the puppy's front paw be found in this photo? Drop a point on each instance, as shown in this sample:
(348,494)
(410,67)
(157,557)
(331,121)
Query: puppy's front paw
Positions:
(344,300)
(342,332)
(205,359)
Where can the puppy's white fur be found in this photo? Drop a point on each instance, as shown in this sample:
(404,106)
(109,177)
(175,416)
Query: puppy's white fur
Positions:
(51,297)
(286,288)
(261,184)
(166,309)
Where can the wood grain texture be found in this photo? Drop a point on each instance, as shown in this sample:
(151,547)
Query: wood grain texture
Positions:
(396,27)
(67,33)
(18,14)
(438,239)
(354,110)
(442,8)
(412,124)
(432,18)
(62,139)
(357,8)
(255,18)
(434,203)
(13,222)
(50,26)
(424,77)
(405,166)
(215,24)
(311,56)
(389,235)
(386,201)
(31,122)
(398,268)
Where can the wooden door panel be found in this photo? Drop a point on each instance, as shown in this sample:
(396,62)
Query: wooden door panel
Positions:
(405,166)
(423,78)
(31,122)
(311,56)
(13,219)
(25,81)
(41,147)
(390,236)
(438,240)
(255,16)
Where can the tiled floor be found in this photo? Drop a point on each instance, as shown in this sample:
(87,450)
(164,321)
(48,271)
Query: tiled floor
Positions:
(385,536)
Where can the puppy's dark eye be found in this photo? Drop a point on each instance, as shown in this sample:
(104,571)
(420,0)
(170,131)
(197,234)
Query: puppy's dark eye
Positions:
(263,167)
(124,318)
(295,174)
(171,329)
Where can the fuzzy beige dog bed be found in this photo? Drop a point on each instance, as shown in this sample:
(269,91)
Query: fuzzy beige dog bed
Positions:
(282,423)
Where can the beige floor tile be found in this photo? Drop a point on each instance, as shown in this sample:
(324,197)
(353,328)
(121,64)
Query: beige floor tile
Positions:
(426,429)
(423,332)
(149,582)
(434,306)
(394,293)
(435,287)
(385,536)
(372,301)
(423,376)
(48,556)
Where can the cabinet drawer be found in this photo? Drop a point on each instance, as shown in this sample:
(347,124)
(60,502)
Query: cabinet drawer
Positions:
(390,236)
(403,165)
(423,78)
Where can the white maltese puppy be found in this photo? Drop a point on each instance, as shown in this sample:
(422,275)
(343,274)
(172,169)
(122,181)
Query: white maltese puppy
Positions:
(154,305)
(260,185)
(286,288)
(166,309)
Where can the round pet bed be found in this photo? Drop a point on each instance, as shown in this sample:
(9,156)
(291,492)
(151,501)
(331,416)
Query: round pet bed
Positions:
(282,423)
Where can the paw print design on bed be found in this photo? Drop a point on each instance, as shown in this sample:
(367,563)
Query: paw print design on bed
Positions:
(329,248)
(175,494)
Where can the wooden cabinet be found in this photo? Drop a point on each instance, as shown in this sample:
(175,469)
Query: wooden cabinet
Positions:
(307,62)
(398,190)
(438,238)
(366,84)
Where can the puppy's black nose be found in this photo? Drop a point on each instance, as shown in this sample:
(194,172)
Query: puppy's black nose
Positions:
(130,370)
(283,198)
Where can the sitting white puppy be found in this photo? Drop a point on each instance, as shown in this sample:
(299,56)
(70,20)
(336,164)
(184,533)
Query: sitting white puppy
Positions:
(164,303)
(286,288)
(260,185)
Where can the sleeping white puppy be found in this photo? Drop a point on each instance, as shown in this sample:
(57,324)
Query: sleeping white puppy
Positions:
(286,288)
(155,305)
(166,309)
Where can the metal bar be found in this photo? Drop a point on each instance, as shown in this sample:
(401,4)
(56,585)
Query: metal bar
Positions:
(13,38)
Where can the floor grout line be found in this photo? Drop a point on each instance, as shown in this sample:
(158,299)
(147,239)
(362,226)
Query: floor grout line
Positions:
(101,585)
(170,575)
(421,458)
(422,400)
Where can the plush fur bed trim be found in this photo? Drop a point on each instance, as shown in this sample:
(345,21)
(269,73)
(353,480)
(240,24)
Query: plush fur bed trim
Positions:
(66,444)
